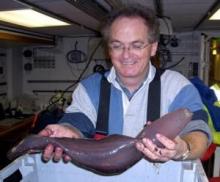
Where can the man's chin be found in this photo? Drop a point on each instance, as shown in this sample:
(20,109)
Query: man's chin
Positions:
(129,75)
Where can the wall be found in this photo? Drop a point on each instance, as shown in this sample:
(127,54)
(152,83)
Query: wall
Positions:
(14,76)
(51,70)
(3,73)
(10,75)
(44,82)
(187,50)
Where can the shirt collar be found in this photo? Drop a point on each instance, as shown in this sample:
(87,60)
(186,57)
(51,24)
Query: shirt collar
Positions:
(112,77)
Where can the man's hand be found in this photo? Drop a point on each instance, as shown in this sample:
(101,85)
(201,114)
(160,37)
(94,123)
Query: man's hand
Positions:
(173,149)
(56,130)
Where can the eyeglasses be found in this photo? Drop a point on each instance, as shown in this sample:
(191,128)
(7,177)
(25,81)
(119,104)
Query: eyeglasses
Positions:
(134,47)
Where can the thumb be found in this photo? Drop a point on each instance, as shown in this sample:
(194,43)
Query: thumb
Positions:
(45,132)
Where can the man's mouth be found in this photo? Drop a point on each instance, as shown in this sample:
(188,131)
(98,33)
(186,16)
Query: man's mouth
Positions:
(128,62)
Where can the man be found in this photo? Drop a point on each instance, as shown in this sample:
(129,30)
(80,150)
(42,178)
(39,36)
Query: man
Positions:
(131,35)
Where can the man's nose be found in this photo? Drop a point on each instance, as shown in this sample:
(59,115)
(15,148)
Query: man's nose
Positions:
(126,51)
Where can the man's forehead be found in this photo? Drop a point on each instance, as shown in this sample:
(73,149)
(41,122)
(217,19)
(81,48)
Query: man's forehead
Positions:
(130,30)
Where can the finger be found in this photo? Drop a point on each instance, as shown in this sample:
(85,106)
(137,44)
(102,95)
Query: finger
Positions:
(154,156)
(48,152)
(45,132)
(148,149)
(166,154)
(161,154)
(169,144)
(161,157)
(149,144)
(58,153)
(156,151)
(66,158)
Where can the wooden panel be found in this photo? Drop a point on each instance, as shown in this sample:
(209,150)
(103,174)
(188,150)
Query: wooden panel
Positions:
(21,38)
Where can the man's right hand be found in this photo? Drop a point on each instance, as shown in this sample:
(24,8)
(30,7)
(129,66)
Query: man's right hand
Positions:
(57,130)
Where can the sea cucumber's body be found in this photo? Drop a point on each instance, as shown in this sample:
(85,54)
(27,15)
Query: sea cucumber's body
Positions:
(113,154)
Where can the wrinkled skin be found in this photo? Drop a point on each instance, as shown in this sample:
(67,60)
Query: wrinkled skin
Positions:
(113,154)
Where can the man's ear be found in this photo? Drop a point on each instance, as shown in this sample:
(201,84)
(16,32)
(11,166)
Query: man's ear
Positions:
(154,48)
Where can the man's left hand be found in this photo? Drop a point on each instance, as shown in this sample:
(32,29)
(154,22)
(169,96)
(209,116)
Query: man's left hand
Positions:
(173,149)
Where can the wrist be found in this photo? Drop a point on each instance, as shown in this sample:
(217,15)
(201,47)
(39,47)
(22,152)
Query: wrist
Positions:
(187,152)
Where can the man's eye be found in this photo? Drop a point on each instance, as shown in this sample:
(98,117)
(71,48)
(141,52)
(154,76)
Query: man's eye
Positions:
(137,46)
(116,46)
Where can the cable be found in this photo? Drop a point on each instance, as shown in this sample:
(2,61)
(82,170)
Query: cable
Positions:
(178,62)
(86,67)
(51,102)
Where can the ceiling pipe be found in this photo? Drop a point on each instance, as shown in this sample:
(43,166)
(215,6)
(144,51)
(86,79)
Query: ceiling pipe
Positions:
(92,8)
(158,8)
(105,5)
(114,3)
(207,14)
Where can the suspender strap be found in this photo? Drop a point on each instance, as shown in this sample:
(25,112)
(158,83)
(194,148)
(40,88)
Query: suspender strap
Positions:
(103,110)
(154,94)
(153,109)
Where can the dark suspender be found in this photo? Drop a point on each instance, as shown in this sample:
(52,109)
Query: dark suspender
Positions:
(154,94)
(153,111)
(103,110)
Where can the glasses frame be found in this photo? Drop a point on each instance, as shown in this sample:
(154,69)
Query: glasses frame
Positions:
(133,47)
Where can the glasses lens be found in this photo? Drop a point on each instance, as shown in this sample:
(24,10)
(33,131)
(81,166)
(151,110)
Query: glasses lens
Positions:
(134,47)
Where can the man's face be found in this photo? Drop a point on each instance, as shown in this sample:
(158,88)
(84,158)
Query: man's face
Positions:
(129,48)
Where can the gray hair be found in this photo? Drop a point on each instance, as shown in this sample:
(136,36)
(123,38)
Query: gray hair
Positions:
(144,13)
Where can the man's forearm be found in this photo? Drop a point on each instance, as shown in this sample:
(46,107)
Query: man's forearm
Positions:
(198,144)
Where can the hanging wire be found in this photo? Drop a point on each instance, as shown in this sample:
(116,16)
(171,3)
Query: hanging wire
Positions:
(53,100)
(173,65)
